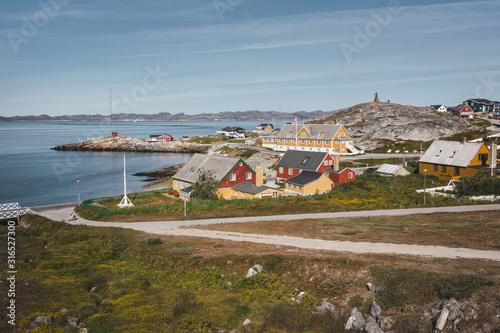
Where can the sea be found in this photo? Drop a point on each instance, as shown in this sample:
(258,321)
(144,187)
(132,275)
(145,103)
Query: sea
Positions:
(34,175)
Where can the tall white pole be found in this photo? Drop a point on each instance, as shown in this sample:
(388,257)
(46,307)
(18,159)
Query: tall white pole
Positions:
(124,176)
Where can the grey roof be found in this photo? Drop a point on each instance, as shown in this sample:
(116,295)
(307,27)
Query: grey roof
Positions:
(304,178)
(248,187)
(317,131)
(218,166)
(391,169)
(302,160)
(451,153)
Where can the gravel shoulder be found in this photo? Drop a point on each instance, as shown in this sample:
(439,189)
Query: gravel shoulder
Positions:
(174,228)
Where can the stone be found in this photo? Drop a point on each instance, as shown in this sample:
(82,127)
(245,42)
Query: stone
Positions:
(326,307)
(300,297)
(371,327)
(355,321)
(83,330)
(63,310)
(375,310)
(251,272)
(454,312)
(247,322)
(34,325)
(44,320)
(441,319)
(386,323)
(73,320)
(258,268)
(370,287)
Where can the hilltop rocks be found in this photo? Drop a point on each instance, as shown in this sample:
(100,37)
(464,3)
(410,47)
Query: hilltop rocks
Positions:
(131,144)
(370,122)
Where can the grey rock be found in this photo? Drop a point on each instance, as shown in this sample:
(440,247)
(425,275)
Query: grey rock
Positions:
(454,312)
(386,323)
(355,321)
(326,307)
(441,319)
(247,322)
(370,287)
(34,325)
(73,320)
(375,310)
(300,298)
(371,327)
(258,268)
(251,272)
(44,320)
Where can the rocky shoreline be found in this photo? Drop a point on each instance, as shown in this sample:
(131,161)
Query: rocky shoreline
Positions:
(131,144)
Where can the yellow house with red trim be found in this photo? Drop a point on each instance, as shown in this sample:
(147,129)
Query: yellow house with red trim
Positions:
(329,138)
(452,160)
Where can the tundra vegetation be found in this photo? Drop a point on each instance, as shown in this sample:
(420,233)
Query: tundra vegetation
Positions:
(120,280)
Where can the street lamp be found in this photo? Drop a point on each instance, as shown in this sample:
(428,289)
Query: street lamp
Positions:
(404,150)
(425,183)
(78,184)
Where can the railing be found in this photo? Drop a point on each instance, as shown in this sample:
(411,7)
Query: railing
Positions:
(12,210)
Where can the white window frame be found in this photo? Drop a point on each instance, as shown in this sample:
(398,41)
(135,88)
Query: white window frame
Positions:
(249,175)
(280,169)
(232,177)
(290,172)
(350,175)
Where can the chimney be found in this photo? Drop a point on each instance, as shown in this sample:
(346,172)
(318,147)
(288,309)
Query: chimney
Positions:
(336,162)
(259,175)
(464,139)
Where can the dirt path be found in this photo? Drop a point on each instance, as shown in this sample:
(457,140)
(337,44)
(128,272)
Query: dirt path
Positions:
(174,228)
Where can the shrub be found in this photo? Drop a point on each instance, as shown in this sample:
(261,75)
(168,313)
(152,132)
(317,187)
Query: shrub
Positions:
(463,285)
(154,241)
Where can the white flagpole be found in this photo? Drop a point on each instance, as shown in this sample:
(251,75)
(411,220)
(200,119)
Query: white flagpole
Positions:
(125,201)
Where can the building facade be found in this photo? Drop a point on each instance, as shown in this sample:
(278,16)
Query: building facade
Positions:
(332,139)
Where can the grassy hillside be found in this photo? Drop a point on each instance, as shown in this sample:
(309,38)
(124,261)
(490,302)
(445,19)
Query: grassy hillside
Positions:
(117,280)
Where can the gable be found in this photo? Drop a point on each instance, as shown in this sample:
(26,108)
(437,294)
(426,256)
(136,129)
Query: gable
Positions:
(304,133)
(302,160)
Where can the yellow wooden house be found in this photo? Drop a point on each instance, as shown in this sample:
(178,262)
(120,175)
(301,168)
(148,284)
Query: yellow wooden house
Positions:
(308,183)
(452,160)
(329,138)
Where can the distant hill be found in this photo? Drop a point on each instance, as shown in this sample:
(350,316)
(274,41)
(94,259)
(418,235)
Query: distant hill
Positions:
(373,124)
(165,116)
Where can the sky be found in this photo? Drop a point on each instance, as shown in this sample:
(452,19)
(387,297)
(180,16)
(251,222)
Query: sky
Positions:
(65,57)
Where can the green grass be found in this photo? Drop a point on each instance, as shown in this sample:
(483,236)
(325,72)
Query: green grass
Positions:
(119,280)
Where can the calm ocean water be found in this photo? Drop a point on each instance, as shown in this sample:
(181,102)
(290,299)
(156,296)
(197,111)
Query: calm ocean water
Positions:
(33,174)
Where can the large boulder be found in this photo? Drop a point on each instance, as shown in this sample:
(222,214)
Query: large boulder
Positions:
(375,310)
(355,321)
(326,307)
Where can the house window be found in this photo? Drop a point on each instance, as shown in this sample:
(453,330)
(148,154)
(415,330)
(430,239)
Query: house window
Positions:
(330,162)
(236,193)
(287,140)
(351,175)
(299,187)
(457,171)
(310,142)
(435,167)
(302,141)
(290,172)
(453,154)
(304,162)
(177,183)
(241,163)
(439,152)
(327,142)
(280,169)
(249,175)
(275,194)
(318,142)
(325,163)
(443,168)
(232,177)
(192,169)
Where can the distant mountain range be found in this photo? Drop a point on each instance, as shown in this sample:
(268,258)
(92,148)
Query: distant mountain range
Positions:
(165,116)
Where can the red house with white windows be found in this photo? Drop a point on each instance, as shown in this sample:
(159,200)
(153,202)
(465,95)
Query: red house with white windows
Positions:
(294,162)
(341,175)
(161,138)
(466,111)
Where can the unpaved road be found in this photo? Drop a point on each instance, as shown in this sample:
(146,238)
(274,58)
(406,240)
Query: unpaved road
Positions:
(174,228)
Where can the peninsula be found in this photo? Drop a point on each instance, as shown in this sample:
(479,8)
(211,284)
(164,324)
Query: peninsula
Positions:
(131,144)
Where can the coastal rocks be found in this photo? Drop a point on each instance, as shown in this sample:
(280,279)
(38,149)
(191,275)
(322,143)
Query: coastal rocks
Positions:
(47,320)
(375,310)
(131,144)
(355,321)
(326,307)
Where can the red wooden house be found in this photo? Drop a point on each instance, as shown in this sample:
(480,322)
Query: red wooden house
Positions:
(294,162)
(466,111)
(162,138)
(341,175)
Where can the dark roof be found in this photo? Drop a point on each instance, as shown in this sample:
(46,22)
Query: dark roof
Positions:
(302,160)
(233,129)
(248,187)
(265,125)
(339,171)
(187,189)
(480,100)
(304,178)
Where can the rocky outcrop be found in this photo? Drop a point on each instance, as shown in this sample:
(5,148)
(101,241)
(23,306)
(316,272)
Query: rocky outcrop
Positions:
(131,144)
(370,124)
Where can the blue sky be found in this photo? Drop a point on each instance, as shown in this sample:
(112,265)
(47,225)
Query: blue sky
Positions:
(193,56)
